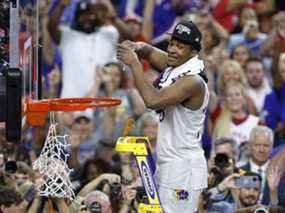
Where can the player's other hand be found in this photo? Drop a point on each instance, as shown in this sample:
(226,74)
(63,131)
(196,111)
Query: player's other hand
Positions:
(126,54)
(133,45)
(127,43)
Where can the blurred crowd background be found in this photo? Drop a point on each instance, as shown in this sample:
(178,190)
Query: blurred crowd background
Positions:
(243,48)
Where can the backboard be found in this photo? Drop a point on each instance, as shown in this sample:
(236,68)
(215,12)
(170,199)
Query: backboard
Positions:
(29,48)
(23,76)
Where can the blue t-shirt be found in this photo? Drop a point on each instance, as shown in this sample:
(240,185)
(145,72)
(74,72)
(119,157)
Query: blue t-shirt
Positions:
(274,111)
(274,107)
(163,17)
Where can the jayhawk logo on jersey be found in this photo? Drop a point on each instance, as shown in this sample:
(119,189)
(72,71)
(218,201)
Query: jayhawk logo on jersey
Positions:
(181,194)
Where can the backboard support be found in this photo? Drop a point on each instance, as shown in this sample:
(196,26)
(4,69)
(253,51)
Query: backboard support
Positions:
(13,103)
(23,77)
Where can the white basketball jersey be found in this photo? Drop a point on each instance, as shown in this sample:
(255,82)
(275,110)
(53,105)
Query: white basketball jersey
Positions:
(180,132)
(180,129)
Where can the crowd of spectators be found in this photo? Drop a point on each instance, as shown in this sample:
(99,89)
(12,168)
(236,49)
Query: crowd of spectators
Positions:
(243,48)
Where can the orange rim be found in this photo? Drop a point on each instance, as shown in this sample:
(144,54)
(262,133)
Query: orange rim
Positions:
(36,110)
(70,104)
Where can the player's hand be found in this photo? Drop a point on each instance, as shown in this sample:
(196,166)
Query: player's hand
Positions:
(133,45)
(127,55)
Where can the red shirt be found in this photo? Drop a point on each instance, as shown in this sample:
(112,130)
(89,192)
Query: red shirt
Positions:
(228,19)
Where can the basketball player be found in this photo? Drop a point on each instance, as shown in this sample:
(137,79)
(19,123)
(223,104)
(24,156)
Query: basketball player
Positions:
(180,96)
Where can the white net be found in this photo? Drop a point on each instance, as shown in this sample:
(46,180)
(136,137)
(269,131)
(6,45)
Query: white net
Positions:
(52,165)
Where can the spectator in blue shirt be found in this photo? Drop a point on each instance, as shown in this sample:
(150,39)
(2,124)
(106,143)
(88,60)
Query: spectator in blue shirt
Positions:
(250,36)
(274,106)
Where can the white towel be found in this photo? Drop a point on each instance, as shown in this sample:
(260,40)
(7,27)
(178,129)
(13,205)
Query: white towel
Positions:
(191,67)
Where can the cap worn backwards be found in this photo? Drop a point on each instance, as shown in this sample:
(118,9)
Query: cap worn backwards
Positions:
(187,32)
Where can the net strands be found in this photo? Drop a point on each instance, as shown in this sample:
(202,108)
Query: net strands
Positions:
(52,165)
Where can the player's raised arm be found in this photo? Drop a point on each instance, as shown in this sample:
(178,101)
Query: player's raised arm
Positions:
(156,57)
(176,93)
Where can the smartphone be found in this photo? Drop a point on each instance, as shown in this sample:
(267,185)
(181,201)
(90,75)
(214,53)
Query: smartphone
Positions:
(247,182)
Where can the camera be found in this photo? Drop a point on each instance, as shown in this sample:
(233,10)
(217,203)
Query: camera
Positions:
(261,209)
(115,190)
(141,196)
(222,160)
(219,171)
(11,167)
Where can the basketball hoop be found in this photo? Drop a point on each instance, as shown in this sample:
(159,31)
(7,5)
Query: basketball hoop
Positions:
(52,162)
(36,110)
